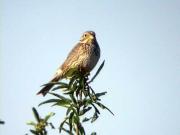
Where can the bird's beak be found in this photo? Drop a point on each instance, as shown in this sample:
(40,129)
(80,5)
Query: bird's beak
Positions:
(91,37)
(81,38)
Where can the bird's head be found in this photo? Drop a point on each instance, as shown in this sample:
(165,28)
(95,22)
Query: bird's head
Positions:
(88,37)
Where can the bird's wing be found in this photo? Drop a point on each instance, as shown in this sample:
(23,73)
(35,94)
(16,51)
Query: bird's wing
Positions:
(73,57)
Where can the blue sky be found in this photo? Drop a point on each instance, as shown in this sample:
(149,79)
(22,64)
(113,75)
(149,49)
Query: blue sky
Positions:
(139,40)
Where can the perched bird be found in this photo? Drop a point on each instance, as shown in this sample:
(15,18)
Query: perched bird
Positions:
(83,57)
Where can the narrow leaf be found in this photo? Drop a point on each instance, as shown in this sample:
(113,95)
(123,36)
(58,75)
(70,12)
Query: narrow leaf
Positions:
(52,126)
(68,110)
(34,132)
(50,101)
(81,129)
(94,118)
(104,107)
(73,99)
(70,92)
(67,131)
(59,96)
(86,119)
(70,122)
(2,122)
(93,133)
(71,108)
(36,115)
(99,69)
(95,108)
(73,79)
(31,123)
(48,116)
(76,119)
(100,94)
(59,87)
(62,123)
(63,103)
(82,112)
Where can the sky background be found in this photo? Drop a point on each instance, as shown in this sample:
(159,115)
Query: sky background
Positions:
(139,39)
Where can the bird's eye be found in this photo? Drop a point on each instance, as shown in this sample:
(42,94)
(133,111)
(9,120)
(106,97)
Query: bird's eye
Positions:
(85,35)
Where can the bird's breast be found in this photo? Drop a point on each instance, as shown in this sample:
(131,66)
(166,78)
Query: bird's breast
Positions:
(90,57)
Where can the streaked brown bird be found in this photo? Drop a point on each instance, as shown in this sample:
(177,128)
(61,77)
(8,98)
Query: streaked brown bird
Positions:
(83,57)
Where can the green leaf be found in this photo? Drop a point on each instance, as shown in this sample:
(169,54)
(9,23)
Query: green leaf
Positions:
(100,94)
(61,86)
(71,108)
(93,133)
(92,90)
(58,87)
(62,123)
(94,118)
(59,96)
(70,121)
(73,99)
(82,112)
(70,92)
(95,108)
(44,132)
(67,131)
(104,107)
(52,126)
(48,116)
(86,119)
(73,79)
(50,101)
(78,90)
(68,110)
(31,123)
(2,122)
(36,115)
(82,81)
(99,69)
(87,102)
(81,129)
(76,119)
(63,103)
(75,85)
(33,132)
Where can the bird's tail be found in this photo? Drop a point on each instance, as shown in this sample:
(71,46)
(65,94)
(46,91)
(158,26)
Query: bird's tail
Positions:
(46,88)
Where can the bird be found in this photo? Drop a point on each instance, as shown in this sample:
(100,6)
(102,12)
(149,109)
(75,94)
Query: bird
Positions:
(83,57)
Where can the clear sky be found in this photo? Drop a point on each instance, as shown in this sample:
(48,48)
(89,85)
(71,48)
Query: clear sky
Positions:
(139,39)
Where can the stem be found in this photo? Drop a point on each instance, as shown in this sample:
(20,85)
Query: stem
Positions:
(78,109)
(77,130)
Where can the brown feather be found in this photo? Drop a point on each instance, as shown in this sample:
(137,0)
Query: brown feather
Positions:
(46,88)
